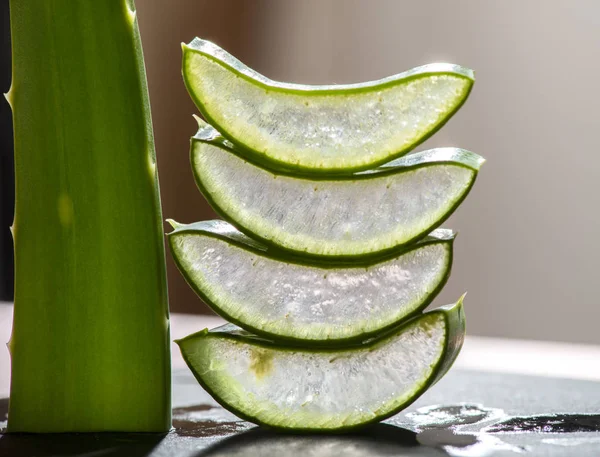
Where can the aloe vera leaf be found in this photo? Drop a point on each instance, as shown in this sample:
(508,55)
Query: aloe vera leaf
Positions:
(90,339)
(308,303)
(364,214)
(325,389)
(321,129)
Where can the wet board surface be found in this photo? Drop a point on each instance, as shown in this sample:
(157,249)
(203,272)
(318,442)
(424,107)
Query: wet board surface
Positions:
(468,413)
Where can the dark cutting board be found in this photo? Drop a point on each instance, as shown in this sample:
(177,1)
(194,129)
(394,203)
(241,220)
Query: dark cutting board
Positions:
(466,414)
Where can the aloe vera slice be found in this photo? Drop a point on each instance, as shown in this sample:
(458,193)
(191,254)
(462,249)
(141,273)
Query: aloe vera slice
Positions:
(363,214)
(333,128)
(325,389)
(319,303)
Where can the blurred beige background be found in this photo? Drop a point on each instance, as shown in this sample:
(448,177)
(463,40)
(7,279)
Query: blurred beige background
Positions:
(528,247)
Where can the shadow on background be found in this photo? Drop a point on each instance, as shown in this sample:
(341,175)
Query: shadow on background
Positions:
(7,191)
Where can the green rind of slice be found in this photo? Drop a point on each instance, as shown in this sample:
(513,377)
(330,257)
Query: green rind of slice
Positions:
(365,214)
(320,303)
(324,390)
(326,129)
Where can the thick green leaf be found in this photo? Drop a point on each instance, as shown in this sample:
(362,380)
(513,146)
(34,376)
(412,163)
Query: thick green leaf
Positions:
(90,346)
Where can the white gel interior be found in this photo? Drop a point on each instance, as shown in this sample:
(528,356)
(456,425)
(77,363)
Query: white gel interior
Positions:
(330,217)
(310,302)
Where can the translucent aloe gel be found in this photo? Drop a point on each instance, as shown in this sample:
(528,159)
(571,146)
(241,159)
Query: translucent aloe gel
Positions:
(317,259)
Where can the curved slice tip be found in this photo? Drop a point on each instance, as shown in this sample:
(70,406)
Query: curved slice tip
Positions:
(205,132)
(459,303)
(174,224)
(454,307)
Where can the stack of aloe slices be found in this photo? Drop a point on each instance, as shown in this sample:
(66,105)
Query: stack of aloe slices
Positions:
(331,250)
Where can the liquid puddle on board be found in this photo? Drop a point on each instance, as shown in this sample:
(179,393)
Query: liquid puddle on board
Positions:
(550,423)
(201,421)
(455,429)
(462,430)
(472,429)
